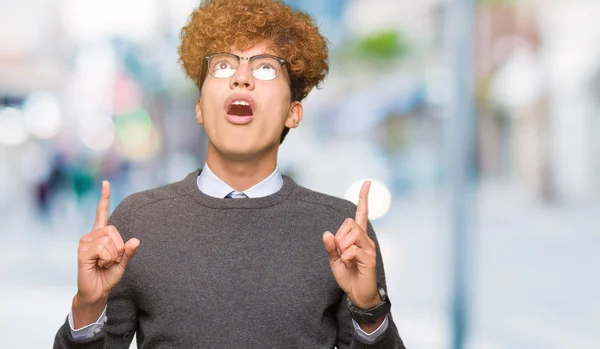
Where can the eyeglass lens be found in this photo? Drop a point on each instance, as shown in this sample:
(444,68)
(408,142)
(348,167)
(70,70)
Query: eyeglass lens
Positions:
(262,68)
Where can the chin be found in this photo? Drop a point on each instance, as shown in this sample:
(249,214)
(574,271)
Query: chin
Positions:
(241,151)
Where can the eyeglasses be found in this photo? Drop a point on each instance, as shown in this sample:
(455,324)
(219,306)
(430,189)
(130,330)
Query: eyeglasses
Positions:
(262,67)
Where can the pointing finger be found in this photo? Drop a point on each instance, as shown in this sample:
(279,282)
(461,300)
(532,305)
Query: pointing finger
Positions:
(362,208)
(103,206)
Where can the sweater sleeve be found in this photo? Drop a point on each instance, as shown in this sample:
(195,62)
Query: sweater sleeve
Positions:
(347,336)
(121,312)
(118,331)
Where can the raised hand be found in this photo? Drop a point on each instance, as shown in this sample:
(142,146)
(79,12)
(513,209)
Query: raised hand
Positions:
(102,259)
(352,256)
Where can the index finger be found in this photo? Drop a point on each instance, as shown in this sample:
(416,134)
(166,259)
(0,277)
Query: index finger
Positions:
(362,208)
(103,206)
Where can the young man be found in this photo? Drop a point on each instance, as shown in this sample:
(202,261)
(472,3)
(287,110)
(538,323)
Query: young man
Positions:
(235,255)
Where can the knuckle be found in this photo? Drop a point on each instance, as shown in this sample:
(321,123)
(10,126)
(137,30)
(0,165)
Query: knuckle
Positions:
(338,239)
(348,242)
(84,239)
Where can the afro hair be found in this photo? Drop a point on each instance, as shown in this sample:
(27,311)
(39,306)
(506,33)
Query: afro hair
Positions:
(219,25)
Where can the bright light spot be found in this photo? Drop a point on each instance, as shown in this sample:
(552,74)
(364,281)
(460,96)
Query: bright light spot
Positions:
(42,115)
(380,198)
(13,129)
(517,82)
(101,136)
(137,139)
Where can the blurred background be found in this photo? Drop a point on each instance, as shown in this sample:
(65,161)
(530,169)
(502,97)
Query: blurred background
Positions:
(499,243)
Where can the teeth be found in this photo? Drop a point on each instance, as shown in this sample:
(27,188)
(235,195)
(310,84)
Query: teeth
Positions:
(241,102)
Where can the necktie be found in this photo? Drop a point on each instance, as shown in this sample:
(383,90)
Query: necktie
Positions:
(236,195)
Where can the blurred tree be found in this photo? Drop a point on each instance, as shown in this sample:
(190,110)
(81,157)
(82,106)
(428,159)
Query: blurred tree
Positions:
(386,44)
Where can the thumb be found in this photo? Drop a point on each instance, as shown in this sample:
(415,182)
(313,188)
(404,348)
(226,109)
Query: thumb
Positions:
(330,247)
(130,247)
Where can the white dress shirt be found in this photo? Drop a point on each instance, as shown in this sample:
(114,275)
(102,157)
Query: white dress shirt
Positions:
(211,185)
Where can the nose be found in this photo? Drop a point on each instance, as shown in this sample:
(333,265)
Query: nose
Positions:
(242,77)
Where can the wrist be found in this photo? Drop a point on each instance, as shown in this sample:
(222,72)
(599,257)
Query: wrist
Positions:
(85,313)
(368,304)
(373,315)
(90,300)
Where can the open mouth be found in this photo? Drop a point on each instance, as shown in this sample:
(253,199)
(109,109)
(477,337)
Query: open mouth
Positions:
(240,108)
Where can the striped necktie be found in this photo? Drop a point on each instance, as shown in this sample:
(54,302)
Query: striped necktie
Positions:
(236,195)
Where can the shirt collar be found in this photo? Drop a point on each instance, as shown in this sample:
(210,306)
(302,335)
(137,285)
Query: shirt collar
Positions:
(211,185)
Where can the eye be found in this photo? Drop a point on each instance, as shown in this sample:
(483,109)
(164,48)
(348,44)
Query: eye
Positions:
(222,65)
(265,67)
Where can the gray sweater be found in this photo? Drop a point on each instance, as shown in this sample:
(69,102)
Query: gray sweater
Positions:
(229,273)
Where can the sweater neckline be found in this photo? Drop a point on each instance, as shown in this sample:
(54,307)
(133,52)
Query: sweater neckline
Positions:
(191,188)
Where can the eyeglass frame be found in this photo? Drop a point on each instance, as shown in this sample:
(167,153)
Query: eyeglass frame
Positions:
(281,61)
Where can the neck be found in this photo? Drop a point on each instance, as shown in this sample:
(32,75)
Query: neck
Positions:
(241,173)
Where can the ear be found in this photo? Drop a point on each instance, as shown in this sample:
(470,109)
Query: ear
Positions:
(294,116)
(199,111)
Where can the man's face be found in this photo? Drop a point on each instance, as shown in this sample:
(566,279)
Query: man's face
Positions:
(243,116)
